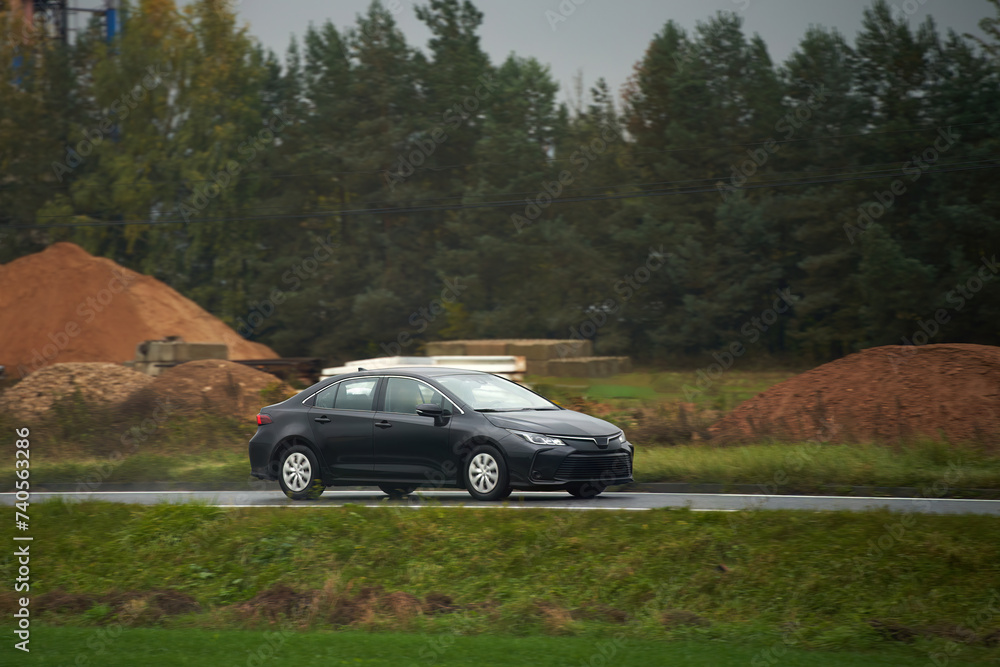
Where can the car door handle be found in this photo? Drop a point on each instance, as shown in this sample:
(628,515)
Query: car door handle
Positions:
(322,419)
(383,424)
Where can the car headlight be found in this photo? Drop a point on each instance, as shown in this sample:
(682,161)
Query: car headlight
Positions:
(617,439)
(538,438)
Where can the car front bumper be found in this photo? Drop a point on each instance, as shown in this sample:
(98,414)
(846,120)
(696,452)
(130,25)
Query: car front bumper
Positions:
(534,466)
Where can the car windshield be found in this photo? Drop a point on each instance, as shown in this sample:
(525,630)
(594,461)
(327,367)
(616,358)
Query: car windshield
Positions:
(488,393)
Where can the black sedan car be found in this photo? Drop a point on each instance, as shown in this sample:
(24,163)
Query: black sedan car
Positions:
(404,428)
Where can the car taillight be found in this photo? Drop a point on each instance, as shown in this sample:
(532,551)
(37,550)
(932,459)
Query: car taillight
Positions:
(263,419)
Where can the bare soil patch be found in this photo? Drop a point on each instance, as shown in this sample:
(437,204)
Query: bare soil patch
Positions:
(136,606)
(63,304)
(276,602)
(103,383)
(886,394)
(216,386)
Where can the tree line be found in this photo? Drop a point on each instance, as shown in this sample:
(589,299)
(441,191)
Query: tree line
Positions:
(326,203)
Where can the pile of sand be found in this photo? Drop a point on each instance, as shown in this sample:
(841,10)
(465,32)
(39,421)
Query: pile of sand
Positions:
(214,386)
(63,304)
(886,394)
(96,382)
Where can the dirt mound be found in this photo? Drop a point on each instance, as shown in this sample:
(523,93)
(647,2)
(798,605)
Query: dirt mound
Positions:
(59,601)
(886,394)
(362,606)
(275,602)
(223,387)
(63,304)
(137,607)
(953,633)
(96,382)
(439,603)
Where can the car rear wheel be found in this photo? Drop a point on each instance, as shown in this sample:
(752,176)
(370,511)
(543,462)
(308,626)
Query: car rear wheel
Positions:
(586,489)
(397,490)
(486,475)
(298,474)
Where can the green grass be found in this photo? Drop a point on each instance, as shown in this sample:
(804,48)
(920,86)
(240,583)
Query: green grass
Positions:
(152,647)
(777,468)
(743,577)
(941,468)
(629,389)
(86,446)
(92,473)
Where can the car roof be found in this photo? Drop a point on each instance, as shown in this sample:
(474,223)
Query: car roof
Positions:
(414,371)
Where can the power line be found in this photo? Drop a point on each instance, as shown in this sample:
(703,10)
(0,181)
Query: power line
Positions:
(632,153)
(484,205)
(896,166)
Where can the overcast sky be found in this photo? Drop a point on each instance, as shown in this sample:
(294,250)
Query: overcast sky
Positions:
(603,38)
(599,38)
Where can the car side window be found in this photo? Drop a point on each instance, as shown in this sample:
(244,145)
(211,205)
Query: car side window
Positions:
(324,399)
(356,394)
(403,395)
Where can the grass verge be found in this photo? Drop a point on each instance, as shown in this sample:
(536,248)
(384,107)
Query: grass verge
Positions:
(939,469)
(90,446)
(154,647)
(936,467)
(828,581)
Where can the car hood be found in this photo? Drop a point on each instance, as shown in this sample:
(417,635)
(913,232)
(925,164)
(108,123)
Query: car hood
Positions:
(553,422)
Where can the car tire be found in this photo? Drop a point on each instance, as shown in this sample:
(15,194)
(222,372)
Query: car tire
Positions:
(586,490)
(298,474)
(397,490)
(486,476)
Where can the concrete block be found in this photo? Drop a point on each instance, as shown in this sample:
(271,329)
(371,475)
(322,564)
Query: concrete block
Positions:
(532,350)
(483,348)
(537,367)
(444,348)
(590,367)
(570,348)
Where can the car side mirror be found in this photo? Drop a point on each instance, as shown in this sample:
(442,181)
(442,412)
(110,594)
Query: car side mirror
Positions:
(430,410)
(439,414)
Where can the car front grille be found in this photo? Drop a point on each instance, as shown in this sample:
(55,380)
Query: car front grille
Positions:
(581,466)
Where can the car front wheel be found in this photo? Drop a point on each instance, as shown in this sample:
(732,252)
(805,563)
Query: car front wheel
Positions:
(298,475)
(486,475)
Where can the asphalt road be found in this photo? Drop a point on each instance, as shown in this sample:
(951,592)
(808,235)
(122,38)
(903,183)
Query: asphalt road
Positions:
(553,500)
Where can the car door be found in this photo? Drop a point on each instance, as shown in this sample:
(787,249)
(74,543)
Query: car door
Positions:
(408,446)
(341,419)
